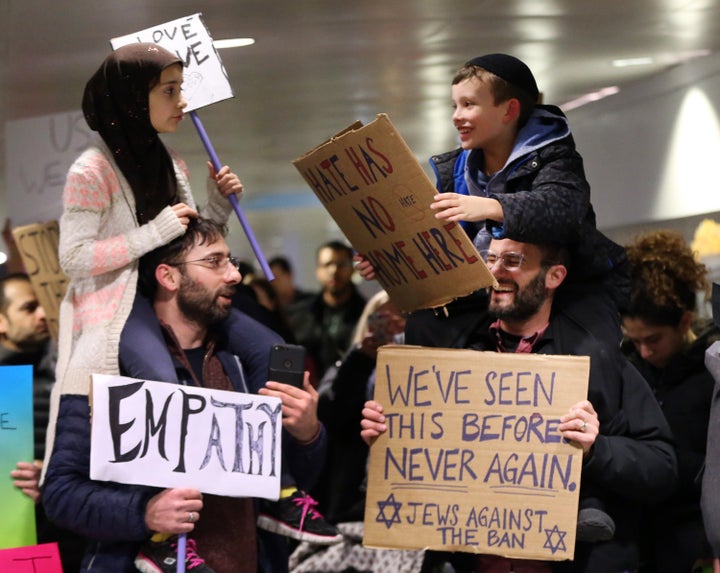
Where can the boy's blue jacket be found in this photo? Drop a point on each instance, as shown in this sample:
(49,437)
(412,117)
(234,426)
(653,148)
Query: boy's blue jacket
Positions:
(545,199)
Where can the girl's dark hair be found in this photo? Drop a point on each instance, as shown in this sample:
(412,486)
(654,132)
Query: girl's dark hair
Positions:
(665,278)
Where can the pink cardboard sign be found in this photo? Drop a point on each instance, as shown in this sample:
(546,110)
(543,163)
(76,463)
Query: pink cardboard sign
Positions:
(43,558)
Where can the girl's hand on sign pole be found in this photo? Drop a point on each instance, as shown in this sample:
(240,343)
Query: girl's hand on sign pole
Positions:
(227,182)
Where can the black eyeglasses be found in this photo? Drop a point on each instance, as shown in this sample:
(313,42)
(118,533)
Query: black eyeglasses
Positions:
(216,263)
(509,260)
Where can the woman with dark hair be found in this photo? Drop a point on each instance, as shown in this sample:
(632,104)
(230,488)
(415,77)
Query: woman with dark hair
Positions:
(667,343)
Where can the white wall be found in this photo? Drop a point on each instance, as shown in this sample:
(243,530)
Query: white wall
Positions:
(651,150)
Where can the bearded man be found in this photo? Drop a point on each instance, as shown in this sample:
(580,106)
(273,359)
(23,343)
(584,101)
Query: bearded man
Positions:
(628,454)
(189,284)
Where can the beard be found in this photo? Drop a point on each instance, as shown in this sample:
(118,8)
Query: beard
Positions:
(200,305)
(526,303)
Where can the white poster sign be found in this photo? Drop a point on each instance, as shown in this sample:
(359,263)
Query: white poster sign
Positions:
(205,79)
(168,435)
(38,154)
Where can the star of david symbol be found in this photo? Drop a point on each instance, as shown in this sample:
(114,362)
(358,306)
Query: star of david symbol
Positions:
(382,505)
(560,545)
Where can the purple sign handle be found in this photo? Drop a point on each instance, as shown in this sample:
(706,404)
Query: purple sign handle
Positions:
(233,199)
(181,546)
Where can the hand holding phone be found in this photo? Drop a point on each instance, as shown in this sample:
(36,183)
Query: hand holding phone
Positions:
(287,364)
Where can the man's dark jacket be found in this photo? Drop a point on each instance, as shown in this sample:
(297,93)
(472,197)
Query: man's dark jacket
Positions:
(112,515)
(633,461)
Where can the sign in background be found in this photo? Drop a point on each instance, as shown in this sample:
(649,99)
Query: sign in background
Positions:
(472,459)
(43,558)
(205,80)
(38,154)
(169,435)
(372,185)
(17,526)
(38,247)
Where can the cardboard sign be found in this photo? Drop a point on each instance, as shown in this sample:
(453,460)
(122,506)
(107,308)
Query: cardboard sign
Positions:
(204,78)
(38,246)
(168,435)
(17,526)
(472,459)
(372,185)
(43,558)
(38,154)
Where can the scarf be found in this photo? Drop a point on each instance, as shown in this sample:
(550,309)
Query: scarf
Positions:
(116,105)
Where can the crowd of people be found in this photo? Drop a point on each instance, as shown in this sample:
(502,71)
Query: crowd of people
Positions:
(154,293)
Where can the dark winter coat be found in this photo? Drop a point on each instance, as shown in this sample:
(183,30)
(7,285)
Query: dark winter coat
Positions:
(340,491)
(112,515)
(675,534)
(325,331)
(545,199)
(633,461)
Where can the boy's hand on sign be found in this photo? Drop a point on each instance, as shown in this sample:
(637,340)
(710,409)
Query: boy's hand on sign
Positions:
(456,207)
(364,267)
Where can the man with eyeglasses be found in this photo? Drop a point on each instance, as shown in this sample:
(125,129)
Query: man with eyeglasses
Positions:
(324,323)
(628,457)
(190,283)
(25,340)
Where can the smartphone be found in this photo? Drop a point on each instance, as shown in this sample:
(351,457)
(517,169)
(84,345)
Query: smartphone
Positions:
(287,364)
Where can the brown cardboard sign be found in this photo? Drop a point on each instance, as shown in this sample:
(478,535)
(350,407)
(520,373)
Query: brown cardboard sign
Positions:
(372,185)
(472,459)
(38,246)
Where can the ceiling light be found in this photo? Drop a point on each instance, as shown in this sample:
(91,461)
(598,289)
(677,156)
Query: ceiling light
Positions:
(666,59)
(624,63)
(233,43)
(591,97)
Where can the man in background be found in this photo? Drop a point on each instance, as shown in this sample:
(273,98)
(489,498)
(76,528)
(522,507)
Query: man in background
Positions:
(324,323)
(25,340)
(189,284)
(284,282)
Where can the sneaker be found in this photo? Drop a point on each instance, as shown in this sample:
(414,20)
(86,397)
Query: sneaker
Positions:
(161,557)
(296,517)
(594,525)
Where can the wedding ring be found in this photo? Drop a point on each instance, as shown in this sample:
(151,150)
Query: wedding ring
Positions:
(583,426)
(191,517)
